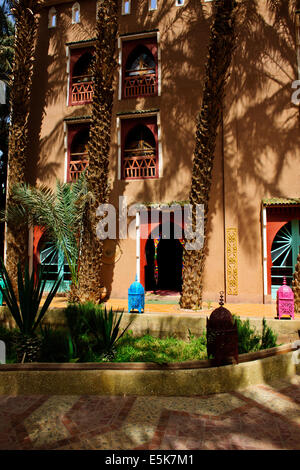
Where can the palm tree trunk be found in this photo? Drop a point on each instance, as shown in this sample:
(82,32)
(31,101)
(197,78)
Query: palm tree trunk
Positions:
(26,27)
(90,278)
(296,285)
(222,39)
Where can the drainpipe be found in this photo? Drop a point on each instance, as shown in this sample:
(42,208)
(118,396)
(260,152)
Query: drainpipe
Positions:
(265,254)
(224,205)
(138,245)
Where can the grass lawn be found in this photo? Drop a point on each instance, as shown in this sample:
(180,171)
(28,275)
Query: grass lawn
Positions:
(160,350)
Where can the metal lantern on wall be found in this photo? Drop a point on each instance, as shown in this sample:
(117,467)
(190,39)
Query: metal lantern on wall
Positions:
(136,297)
(285,301)
(222,336)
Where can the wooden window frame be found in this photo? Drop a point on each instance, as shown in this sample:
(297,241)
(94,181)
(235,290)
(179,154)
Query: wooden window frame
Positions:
(126,126)
(128,46)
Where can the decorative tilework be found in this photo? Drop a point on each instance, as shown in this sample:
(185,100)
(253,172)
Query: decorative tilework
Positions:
(232,261)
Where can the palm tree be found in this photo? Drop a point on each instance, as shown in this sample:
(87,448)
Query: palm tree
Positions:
(6,64)
(24,12)
(59,212)
(222,38)
(6,45)
(90,279)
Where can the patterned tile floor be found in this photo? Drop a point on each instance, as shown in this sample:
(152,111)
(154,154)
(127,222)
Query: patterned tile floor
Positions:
(259,417)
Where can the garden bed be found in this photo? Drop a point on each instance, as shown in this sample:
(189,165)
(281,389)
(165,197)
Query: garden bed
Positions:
(146,379)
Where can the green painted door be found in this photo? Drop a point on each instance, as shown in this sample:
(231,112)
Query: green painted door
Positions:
(285,249)
(54,262)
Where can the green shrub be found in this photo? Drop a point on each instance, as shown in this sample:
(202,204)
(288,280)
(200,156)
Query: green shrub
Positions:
(57,345)
(269,338)
(249,340)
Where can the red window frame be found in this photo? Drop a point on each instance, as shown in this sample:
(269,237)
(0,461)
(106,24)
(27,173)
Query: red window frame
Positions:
(277,217)
(73,129)
(127,48)
(75,55)
(126,126)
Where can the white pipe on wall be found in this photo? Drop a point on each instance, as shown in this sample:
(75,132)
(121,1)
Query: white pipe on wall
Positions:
(265,254)
(138,246)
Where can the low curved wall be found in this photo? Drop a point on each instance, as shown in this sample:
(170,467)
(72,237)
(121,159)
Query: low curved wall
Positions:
(139,379)
(166,324)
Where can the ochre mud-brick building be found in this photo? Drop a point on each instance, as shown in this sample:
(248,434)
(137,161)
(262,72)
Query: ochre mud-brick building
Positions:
(162,48)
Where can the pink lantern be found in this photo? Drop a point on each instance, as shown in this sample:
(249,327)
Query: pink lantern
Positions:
(285,301)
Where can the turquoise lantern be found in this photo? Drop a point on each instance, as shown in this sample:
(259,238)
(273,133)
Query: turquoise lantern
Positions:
(136,297)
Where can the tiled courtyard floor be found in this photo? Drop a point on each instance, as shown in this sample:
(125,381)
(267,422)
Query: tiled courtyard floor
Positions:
(259,417)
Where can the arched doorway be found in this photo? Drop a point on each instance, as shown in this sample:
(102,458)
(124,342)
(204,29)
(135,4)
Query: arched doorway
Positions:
(284,252)
(163,270)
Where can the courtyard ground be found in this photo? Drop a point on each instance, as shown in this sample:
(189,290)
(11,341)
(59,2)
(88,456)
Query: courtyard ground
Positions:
(259,417)
(170,304)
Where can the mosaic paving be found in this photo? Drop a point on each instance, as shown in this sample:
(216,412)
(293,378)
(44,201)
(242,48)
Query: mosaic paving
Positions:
(259,417)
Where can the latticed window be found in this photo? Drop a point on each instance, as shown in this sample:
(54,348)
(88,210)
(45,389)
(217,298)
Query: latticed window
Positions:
(140,154)
(76,13)
(82,80)
(52,18)
(152,4)
(140,71)
(78,153)
(126,6)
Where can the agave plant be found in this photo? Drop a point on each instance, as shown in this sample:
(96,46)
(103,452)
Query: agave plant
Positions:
(99,323)
(26,310)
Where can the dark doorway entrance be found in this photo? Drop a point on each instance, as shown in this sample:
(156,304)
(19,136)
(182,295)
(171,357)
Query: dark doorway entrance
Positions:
(169,265)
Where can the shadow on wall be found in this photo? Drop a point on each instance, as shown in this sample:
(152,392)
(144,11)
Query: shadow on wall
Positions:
(258,116)
(261,125)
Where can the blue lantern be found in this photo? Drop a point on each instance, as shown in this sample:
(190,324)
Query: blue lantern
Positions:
(136,297)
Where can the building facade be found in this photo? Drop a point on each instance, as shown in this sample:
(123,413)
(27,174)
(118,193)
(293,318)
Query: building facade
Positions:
(253,228)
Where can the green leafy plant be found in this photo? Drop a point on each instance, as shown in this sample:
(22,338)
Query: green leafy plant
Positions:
(94,329)
(248,339)
(57,345)
(104,326)
(25,309)
(269,338)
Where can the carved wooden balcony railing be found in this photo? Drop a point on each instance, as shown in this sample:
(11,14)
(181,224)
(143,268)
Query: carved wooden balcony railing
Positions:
(82,90)
(135,167)
(140,85)
(78,163)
